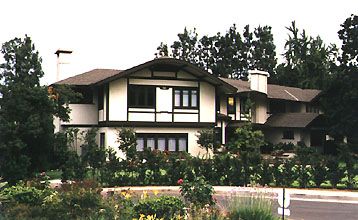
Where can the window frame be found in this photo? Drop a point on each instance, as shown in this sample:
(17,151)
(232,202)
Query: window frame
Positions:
(190,93)
(166,136)
(136,91)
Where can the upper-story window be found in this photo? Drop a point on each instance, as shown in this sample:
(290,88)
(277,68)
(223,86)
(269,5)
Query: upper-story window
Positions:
(86,95)
(185,98)
(141,96)
(277,106)
(231,105)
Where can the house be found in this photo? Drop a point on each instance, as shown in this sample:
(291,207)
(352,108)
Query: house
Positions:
(167,101)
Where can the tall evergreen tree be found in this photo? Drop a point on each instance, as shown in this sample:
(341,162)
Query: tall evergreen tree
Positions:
(308,61)
(26,112)
(340,99)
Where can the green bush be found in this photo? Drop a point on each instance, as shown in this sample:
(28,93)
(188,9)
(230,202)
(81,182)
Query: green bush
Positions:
(198,192)
(24,194)
(252,208)
(166,207)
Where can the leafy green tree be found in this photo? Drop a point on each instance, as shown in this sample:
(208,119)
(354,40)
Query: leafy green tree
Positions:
(308,61)
(207,140)
(95,155)
(340,99)
(246,142)
(228,55)
(26,112)
(127,142)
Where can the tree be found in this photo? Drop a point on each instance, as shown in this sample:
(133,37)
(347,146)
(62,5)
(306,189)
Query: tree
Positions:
(340,98)
(308,61)
(208,141)
(95,155)
(127,142)
(26,113)
(229,55)
(246,142)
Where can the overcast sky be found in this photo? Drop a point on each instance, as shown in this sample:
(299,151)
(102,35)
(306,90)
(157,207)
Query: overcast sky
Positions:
(121,34)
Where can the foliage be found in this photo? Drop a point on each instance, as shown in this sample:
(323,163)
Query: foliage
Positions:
(26,131)
(207,140)
(228,55)
(73,168)
(303,160)
(319,169)
(21,193)
(346,155)
(340,99)
(127,142)
(252,207)
(166,207)
(94,156)
(283,172)
(246,142)
(335,172)
(198,192)
(308,61)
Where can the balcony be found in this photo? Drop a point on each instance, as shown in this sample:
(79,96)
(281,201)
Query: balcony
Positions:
(82,114)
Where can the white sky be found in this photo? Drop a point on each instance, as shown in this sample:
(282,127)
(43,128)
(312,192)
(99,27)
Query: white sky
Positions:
(121,34)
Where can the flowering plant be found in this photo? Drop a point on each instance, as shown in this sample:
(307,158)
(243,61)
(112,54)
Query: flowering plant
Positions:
(198,192)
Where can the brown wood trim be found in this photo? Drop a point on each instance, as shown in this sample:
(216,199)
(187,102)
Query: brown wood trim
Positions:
(155,124)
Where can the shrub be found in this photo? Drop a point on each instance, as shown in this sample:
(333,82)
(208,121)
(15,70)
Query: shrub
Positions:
(198,192)
(166,207)
(335,172)
(319,169)
(252,207)
(303,159)
(24,194)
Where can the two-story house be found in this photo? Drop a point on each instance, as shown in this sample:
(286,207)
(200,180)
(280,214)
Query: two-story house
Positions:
(167,101)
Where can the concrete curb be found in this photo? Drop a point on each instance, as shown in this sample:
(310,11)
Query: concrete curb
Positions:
(296,194)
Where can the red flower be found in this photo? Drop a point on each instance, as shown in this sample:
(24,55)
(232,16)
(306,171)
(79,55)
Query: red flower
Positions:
(180,181)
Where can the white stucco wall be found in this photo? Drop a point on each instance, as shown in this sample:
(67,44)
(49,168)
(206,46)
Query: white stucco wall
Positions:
(160,82)
(260,115)
(82,114)
(275,135)
(118,100)
(207,102)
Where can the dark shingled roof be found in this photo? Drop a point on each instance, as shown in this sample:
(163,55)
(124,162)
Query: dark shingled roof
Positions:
(90,77)
(291,120)
(291,93)
(242,86)
(100,76)
(277,91)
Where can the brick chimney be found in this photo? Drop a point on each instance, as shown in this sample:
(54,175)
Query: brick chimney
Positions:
(258,80)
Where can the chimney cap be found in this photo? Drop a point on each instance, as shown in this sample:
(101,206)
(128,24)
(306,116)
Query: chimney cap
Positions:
(63,51)
(259,72)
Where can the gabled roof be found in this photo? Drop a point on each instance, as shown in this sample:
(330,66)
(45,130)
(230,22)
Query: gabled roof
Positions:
(90,77)
(291,120)
(101,76)
(277,91)
(291,93)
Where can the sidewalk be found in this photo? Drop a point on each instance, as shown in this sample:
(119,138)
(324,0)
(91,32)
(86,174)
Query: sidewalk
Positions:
(296,194)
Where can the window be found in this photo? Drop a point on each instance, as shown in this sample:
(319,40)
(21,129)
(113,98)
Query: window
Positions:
(288,134)
(102,139)
(231,105)
(312,108)
(162,142)
(185,98)
(141,96)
